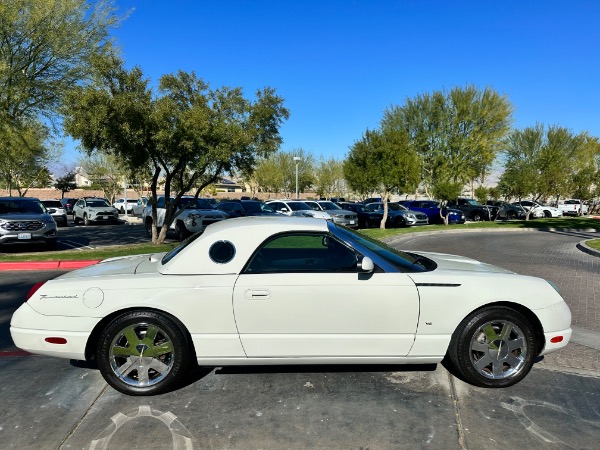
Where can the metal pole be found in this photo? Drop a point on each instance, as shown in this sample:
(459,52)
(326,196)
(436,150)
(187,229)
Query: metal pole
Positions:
(297,159)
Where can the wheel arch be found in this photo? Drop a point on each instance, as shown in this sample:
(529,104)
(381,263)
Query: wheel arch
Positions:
(90,347)
(538,329)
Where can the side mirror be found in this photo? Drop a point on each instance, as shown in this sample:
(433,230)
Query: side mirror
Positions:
(366,265)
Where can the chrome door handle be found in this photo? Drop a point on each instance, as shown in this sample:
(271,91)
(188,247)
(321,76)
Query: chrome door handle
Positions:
(257,294)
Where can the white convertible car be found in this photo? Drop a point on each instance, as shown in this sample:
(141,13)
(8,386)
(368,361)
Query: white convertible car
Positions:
(263,290)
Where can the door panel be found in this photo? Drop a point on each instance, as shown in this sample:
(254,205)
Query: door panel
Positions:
(326,314)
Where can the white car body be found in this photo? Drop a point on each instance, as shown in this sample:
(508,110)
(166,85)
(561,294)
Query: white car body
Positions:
(541,210)
(573,207)
(123,205)
(235,315)
(189,220)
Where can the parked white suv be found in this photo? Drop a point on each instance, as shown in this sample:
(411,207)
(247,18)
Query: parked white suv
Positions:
(194,217)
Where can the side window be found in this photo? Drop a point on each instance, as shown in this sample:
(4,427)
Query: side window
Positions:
(302,252)
(160,203)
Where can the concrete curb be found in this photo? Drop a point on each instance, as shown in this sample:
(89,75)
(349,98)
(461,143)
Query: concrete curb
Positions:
(587,249)
(47,265)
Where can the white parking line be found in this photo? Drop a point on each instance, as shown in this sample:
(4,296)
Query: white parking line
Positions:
(75,245)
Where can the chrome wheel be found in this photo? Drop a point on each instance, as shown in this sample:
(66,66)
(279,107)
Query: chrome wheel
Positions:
(144,353)
(498,349)
(494,347)
(141,355)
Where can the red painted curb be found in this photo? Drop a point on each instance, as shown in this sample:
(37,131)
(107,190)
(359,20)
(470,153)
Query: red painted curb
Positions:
(46,265)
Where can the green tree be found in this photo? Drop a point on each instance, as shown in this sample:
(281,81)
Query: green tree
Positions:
(546,162)
(105,171)
(481,194)
(46,48)
(383,161)
(329,177)
(457,133)
(65,183)
(25,154)
(189,134)
(277,173)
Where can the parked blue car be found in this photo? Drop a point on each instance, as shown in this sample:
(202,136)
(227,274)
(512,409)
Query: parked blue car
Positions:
(432,209)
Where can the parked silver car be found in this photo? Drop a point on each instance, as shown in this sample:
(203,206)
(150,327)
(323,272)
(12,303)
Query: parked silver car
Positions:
(92,209)
(26,219)
(296,208)
(340,216)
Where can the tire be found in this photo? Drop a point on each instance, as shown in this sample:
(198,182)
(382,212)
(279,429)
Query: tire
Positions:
(86,221)
(493,347)
(148,226)
(511,215)
(51,244)
(182,232)
(477,217)
(75,219)
(547,214)
(122,210)
(124,341)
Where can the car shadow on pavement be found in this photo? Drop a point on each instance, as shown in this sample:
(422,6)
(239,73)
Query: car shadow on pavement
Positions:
(326,368)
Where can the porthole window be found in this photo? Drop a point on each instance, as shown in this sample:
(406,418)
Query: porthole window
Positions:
(222,252)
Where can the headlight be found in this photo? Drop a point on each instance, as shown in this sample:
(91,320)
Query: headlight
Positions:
(91,210)
(194,216)
(337,215)
(411,216)
(46,220)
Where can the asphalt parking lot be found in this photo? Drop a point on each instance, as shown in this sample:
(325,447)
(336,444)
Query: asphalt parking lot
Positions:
(53,403)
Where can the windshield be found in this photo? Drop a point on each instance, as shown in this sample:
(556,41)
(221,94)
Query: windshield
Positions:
(329,205)
(298,206)
(52,204)
(313,205)
(404,262)
(21,207)
(97,203)
(190,203)
(472,202)
(257,207)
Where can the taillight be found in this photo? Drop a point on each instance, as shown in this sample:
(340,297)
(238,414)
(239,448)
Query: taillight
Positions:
(34,289)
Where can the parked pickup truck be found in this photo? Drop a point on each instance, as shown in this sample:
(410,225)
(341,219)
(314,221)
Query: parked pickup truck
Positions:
(573,207)
(195,216)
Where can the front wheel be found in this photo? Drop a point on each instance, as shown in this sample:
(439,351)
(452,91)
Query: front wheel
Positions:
(511,215)
(493,347)
(86,220)
(143,353)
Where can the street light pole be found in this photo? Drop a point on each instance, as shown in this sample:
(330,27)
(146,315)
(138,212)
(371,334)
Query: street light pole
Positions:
(297,160)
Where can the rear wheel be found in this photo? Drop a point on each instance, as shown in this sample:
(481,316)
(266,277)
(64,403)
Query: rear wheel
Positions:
(477,217)
(493,347)
(510,215)
(148,226)
(143,353)
(547,214)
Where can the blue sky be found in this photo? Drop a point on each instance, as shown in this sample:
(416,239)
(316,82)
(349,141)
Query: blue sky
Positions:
(340,64)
